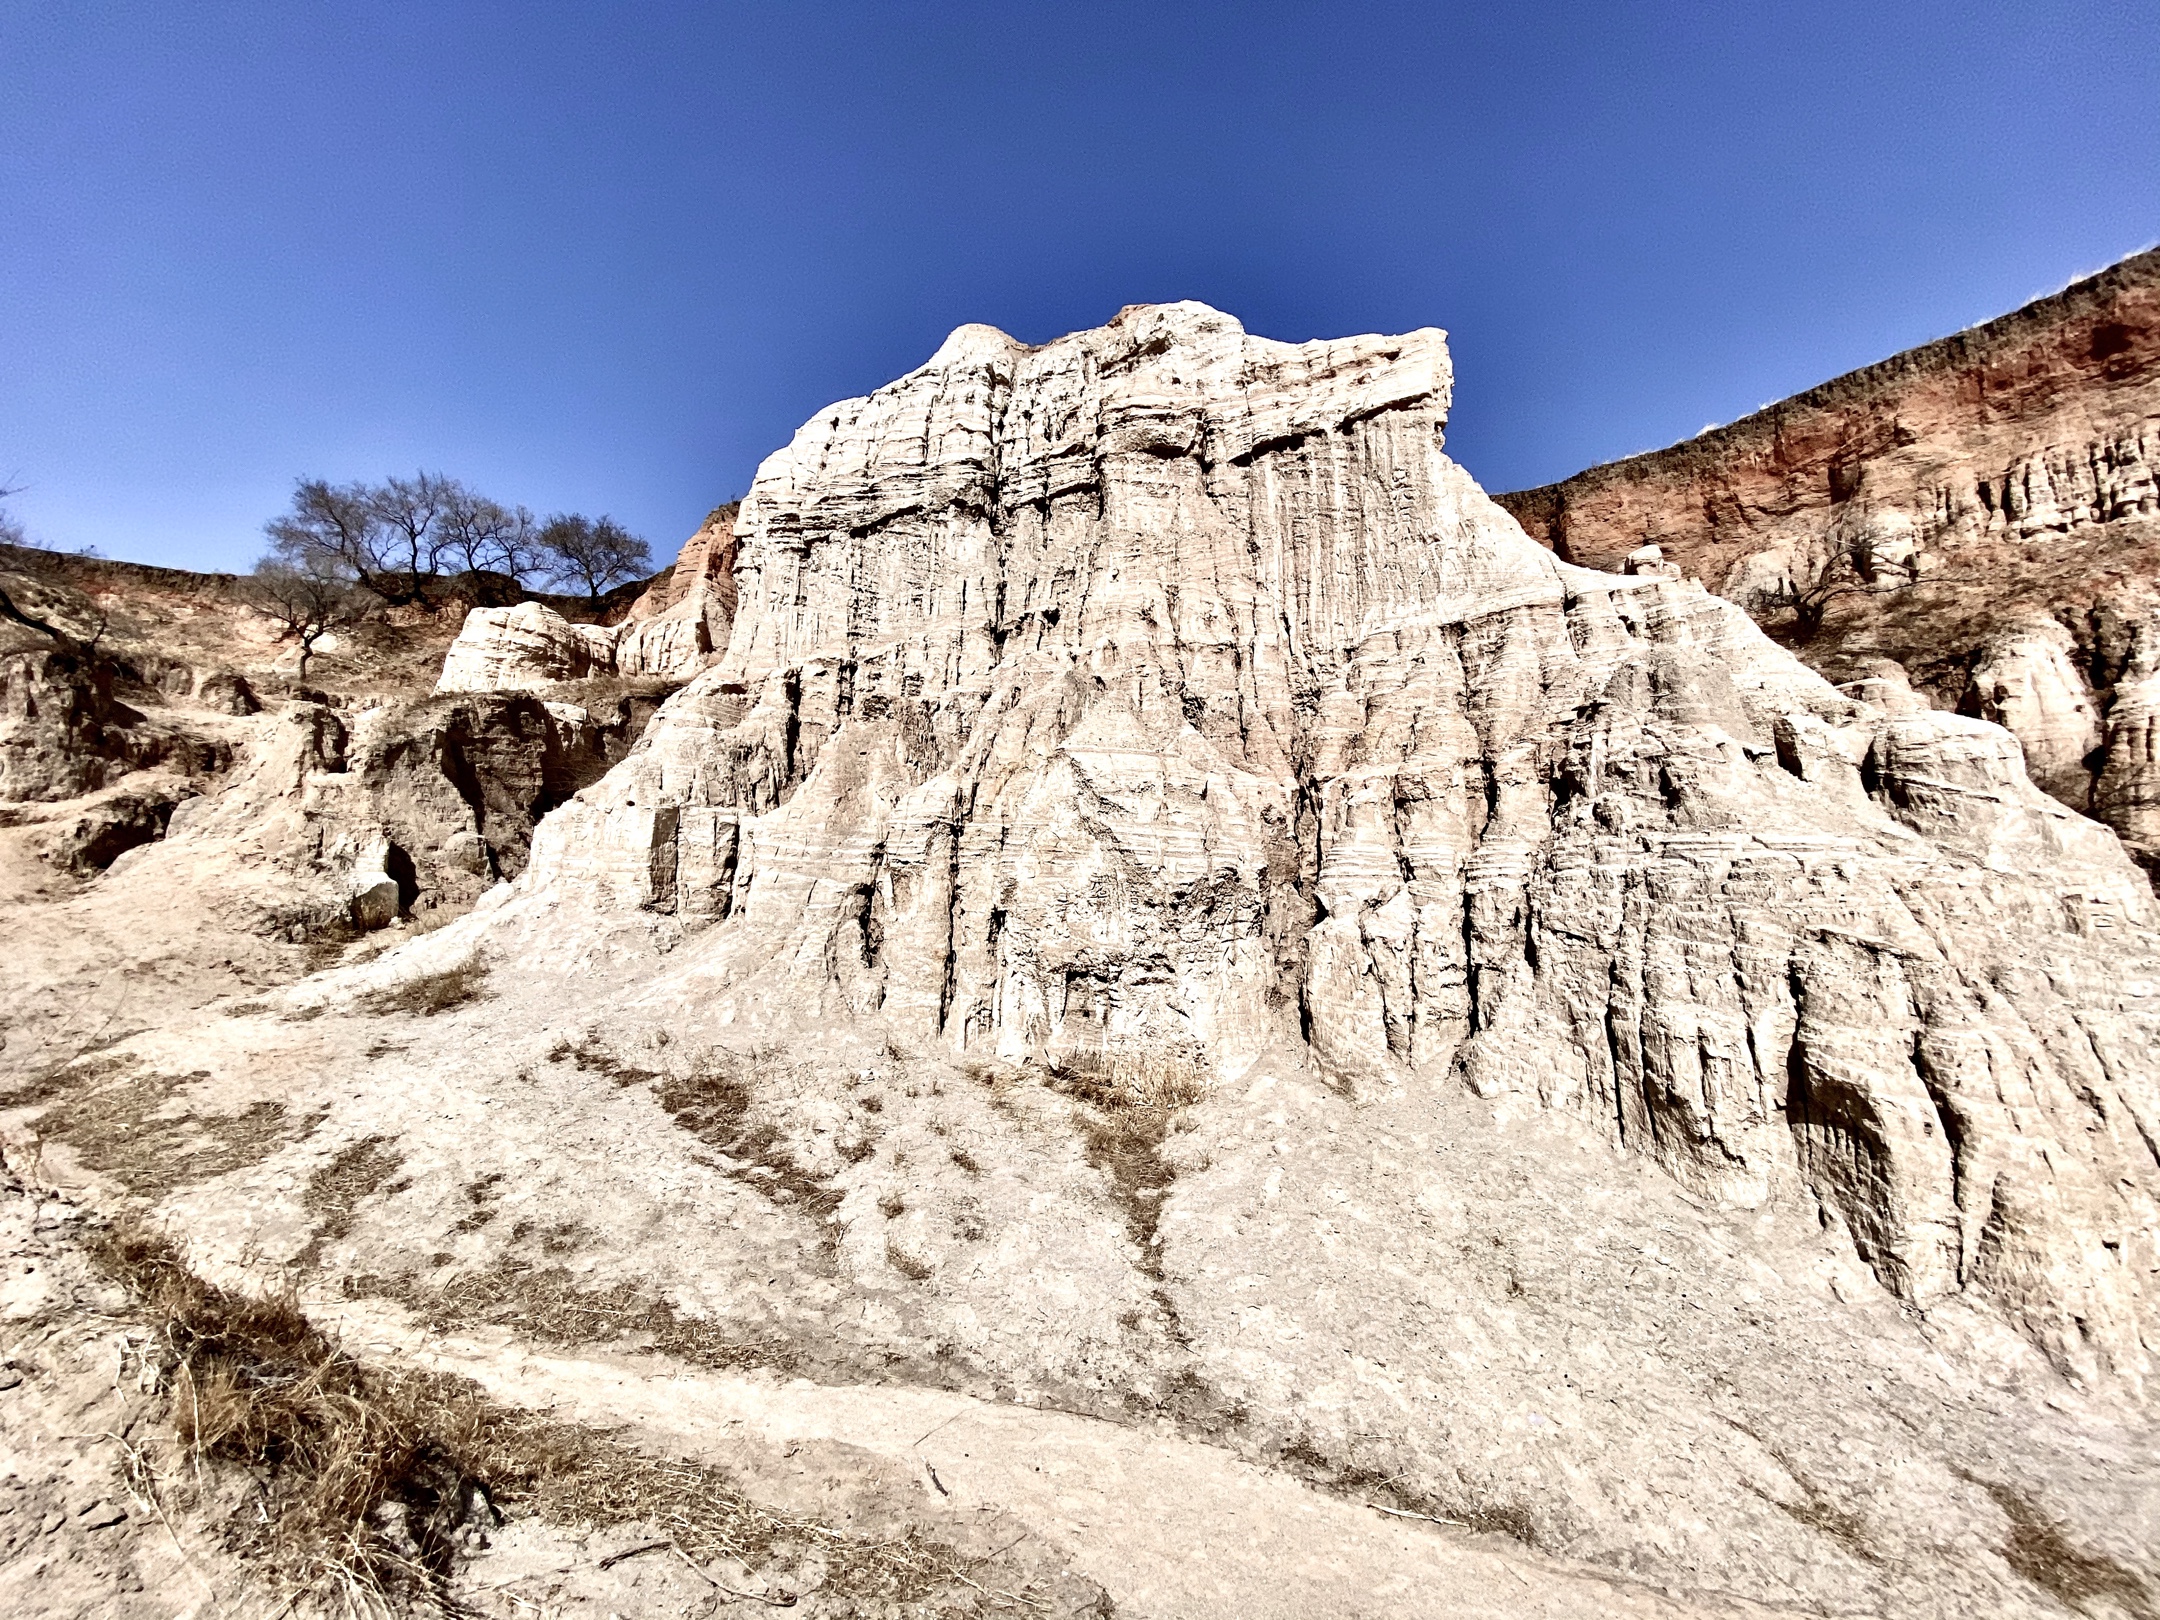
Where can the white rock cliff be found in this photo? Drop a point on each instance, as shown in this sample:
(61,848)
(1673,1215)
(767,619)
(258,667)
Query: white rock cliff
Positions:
(1136,703)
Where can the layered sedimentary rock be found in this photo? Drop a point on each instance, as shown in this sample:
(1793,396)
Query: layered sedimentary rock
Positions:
(671,633)
(1976,508)
(523,648)
(355,818)
(2126,791)
(1136,703)
(63,733)
(684,617)
(2030,679)
(2040,423)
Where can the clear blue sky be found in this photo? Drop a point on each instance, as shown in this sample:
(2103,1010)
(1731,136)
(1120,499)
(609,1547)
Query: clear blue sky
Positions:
(606,257)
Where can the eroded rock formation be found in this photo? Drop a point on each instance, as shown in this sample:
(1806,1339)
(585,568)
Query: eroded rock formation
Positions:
(672,630)
(684,616)
(523,648)
(404,808)
(1984,510)
(64,733)
(1134,704)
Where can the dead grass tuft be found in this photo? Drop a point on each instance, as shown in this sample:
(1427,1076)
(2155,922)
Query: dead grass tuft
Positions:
(1141,1080)
(432,993)
(1125,1144)
(2039,1552)
(119,1126)
(545,1302)
(337,1189)
(575,1476)
(908,1265)
(717,1103)
(357,1489)
(362,1486)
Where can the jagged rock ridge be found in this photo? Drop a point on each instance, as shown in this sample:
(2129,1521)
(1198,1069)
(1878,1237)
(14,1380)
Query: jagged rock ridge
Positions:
(1136,703)
(670,633)
(1981,511)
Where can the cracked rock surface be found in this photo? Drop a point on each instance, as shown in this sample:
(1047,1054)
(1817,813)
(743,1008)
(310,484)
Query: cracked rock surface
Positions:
(1172,906)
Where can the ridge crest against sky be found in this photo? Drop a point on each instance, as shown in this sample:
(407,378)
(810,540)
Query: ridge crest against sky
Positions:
(608,257)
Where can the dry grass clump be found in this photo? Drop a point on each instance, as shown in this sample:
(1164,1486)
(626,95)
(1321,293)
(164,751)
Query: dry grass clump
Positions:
(361,1487)
(336,1190)
(432,993)
(547,1303)
(1125,1144)
(2037,1549)
(716,1101)
(356,1485)
(117,1126)
(702,1517)
(596,691)
(1132,1102)
(1133,1079)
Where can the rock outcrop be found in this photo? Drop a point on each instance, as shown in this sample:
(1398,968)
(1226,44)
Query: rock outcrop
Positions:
(684,617)
(2029,679)
(524,648)
(1136,704)
(63,733)
(356,818)
(2126,791)
(671,632)
(1976,509)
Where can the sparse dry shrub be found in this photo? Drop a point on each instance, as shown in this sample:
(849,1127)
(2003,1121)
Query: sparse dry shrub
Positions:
(363,1485)
(597,691)
(432,993)
(1126,1079)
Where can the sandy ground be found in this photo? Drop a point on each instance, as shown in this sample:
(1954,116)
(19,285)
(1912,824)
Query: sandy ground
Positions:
(1167,1526)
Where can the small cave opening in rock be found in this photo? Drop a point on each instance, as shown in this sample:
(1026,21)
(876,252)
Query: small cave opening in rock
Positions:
(405,875)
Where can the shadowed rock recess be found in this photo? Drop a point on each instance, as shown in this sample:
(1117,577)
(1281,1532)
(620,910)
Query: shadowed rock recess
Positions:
(1137,702)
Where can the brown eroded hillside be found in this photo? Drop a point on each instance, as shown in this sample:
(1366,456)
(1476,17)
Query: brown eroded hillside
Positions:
(1979,516)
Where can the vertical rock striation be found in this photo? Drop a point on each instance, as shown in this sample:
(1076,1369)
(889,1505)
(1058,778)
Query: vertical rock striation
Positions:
(673,628)
(1978,509)
(1136,703)
(684,617)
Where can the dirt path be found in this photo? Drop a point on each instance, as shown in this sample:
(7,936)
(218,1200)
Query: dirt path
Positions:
(1170,1527)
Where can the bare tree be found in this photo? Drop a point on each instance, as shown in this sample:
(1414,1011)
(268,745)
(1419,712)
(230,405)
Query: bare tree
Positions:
(409,512)
(11,533)
(483,540)
(310,598)
(399,537)
(388,536)
(335,528)
(1857,569)
(595,553)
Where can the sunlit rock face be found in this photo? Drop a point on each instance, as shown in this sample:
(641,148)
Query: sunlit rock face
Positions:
(1983,509)
(682,618)
(525,648)
(1136,703)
